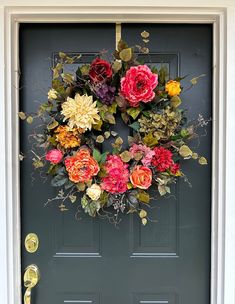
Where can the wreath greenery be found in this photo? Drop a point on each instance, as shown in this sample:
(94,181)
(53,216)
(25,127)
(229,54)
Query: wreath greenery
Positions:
(79,115)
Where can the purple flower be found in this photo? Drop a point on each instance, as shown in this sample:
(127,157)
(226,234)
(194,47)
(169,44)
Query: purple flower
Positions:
(105,93)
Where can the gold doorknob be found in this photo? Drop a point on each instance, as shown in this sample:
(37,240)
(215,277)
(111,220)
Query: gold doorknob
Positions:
(31,279)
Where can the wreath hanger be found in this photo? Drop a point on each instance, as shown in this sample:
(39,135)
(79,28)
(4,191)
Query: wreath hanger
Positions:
(118,33)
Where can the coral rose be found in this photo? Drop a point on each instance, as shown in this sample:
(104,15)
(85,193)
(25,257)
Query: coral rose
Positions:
(100,70)
(162,159)
(138,85)
(81,167)
(94,192)
(117,175)
(54,156)
(141,177)
(172,88)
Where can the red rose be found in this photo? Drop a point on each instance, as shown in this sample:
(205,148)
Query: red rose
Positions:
(100,70)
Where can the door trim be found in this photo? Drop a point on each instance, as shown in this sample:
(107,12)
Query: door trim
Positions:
(222,263)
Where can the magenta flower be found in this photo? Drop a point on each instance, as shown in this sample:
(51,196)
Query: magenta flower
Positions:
(138,85)
(117,175)
(54,156)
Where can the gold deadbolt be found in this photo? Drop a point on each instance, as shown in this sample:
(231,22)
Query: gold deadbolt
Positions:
(31,242)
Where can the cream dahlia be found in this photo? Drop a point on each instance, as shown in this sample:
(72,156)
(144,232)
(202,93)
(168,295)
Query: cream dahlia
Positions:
(81,112)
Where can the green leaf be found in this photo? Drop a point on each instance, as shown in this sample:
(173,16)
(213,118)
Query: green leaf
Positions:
(22,115)
(175,101)
(144,221)
(90,207)
(100,139)
(107,134)
(126,54)
(122,45)
(81,186)
(194,80)
(58,180)
(202,161)
(145,34)
(109,118)
(62,55)
(185,151)
(125,156)
(143,197)
(163,189)
(103,157)
(37,163)
(58,86)
(68,78)
(119,141)
(135,125)
(121,102)
(29,119)
(163,75)
(52,125)
(103,198)
(142,213)
(113,108)
(85,69)
(149,140)
(125,117)
(116,66)
(97,155)
(134,112)
(98,125)
(72,198)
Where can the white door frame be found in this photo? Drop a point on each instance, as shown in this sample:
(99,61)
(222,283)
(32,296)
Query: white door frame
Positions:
(222,242)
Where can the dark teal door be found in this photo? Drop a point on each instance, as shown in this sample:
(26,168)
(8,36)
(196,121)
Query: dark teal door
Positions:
(91,261)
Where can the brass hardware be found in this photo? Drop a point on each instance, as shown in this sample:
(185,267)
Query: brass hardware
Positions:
(118,33)
(31,279)
(31,242)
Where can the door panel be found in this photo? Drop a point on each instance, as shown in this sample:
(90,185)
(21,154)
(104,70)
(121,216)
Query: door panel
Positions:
(91,260)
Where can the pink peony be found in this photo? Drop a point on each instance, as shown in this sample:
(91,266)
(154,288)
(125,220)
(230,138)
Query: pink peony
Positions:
(54,156)
(146,152)
(138,85)
(117,175)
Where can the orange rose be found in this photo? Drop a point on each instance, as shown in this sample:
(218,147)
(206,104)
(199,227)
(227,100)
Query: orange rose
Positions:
(141,177)
(81,167)
(172,88)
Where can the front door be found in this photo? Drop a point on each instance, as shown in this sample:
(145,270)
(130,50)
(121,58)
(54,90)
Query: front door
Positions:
(91,260)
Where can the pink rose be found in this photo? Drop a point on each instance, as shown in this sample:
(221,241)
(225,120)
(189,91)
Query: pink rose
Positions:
(146,152)
(138,85)
(54,156)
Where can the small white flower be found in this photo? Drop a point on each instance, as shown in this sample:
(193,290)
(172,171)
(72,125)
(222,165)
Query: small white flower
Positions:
(94,192)
(52,94)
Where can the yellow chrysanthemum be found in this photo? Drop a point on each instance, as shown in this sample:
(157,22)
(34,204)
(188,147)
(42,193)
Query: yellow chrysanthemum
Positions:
(81,112)
(67,138)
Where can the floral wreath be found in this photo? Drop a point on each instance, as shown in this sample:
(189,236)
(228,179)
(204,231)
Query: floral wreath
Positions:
(79,115)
